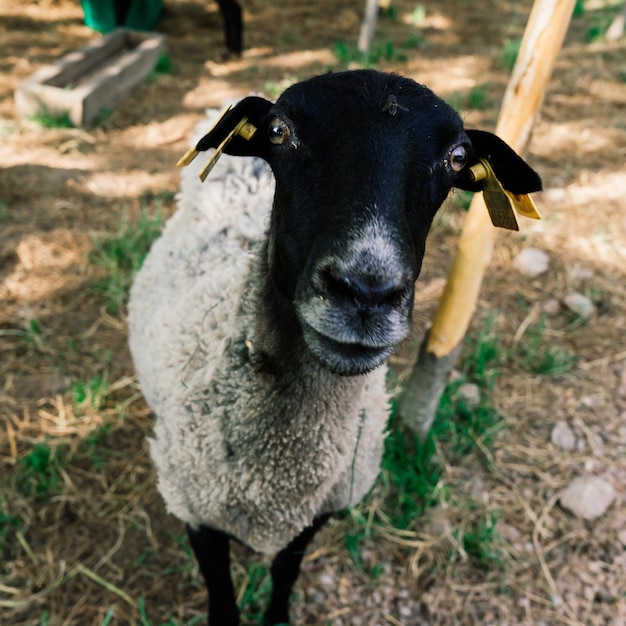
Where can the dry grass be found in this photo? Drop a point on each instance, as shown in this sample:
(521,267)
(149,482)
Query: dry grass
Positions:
(84,539)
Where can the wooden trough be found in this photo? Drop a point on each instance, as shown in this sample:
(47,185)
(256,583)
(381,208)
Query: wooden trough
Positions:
(92,79)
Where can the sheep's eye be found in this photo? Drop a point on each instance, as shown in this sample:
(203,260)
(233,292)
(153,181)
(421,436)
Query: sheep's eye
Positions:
(458,158)
(278,131)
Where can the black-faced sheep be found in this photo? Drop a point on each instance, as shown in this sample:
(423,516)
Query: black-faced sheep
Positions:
(260,336)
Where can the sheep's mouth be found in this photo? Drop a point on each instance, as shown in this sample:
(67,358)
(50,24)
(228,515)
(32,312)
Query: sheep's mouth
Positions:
(346,359)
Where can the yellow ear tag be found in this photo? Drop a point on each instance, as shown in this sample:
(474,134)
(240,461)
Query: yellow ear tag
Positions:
(500,202)
(243,129)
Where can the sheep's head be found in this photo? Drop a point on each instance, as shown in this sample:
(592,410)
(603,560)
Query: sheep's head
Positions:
(362,162)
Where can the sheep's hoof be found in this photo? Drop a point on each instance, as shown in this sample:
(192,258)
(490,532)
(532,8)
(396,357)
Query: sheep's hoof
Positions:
(230,55)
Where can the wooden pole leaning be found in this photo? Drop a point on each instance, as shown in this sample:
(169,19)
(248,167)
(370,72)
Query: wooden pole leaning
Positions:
(543,38)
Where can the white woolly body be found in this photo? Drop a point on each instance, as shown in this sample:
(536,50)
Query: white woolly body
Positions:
(233,449)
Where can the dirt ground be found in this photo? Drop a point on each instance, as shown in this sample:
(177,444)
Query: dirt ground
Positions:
(96,547)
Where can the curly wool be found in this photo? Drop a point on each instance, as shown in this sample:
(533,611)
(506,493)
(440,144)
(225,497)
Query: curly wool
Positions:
(235,449)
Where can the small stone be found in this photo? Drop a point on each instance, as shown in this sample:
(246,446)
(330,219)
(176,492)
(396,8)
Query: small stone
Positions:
(590,400)
(563,436)
(438,523)
(478,491)
(509,533)
(551,307)
(326,580)
(454,375)
(470,394)
(588,497)
(532,262)
(580,304)
(318,599)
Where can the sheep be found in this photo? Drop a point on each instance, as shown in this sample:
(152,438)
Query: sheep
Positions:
(260,335)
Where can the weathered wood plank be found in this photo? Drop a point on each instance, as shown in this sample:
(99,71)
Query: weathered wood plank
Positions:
(96,77)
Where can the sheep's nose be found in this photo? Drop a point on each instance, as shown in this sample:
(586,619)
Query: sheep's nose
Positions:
(367,290)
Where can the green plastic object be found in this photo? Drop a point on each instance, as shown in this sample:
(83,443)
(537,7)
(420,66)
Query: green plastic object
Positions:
(106,15)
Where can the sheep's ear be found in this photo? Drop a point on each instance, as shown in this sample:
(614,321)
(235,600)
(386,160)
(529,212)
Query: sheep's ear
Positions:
(514,174)
(504,178)
(236,133)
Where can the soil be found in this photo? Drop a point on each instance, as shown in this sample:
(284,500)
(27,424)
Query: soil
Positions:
(96,547)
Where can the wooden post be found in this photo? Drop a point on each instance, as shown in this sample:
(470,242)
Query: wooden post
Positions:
(368,27)
(543,38)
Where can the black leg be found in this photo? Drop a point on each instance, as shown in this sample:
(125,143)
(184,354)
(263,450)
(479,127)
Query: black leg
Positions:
(211,548)
(285,570)
(121,11)
(233,25)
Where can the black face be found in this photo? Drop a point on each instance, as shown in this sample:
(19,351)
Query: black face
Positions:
(361,170)
(362,161)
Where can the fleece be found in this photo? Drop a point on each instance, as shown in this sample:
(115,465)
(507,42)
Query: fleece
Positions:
(234,450)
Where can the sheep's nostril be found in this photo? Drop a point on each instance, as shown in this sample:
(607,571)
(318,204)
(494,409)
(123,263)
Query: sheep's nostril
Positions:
(364,289)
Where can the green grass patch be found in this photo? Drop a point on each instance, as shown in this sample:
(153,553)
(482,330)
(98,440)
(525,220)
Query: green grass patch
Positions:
(418,16)
(121,255)
(389,12)
(255,593)
(39,474)
(144,620)
(509,53)
(164,65)
(31,335)
(579,8)
(414,41)
(412,469)
(537,354)
(482,542)
(9,525)
(484,355)
(273,89)
(360,529)
(387,51)
(413,473)
(475,99)
(290,38)
(52,119)
(96,451)
(108,616)
(462,199)
(92,392)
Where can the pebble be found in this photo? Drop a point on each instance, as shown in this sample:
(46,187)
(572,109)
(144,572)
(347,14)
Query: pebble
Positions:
(588,497)
(470,394)
(509,533)
(478,491)
(551,307)
(326,580)
(563,436)
(580,304)
(532,262)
